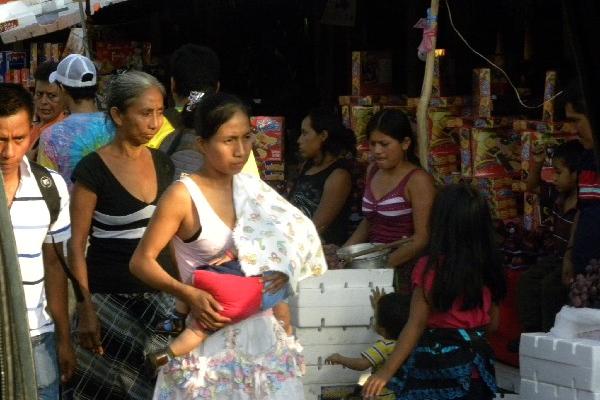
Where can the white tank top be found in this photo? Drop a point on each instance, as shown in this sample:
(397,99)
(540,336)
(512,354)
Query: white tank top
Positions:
(214,239)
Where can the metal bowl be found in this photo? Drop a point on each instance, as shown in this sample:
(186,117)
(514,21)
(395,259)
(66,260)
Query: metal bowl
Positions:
(377,259)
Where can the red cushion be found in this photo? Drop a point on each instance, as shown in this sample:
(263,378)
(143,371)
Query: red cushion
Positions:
(239,296)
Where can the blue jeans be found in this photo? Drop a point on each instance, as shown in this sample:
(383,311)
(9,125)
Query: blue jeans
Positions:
(46,366)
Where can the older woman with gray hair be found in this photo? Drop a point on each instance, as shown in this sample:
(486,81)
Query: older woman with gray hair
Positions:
(115,192)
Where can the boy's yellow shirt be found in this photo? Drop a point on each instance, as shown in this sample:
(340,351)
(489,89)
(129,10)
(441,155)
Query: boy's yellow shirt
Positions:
(166,129)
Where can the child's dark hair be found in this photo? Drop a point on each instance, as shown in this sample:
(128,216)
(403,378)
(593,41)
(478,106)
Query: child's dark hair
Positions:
(81,93)
(392,314)
(212,111)
(463,250)
(395,124)
(339,139)
(570,153)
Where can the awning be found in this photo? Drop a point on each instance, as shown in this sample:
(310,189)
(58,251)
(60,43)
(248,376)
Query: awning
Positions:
(24,19)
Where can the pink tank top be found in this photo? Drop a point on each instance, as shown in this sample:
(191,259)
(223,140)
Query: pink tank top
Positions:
(390,218)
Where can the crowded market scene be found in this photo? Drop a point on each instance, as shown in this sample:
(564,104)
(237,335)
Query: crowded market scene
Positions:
(301,199)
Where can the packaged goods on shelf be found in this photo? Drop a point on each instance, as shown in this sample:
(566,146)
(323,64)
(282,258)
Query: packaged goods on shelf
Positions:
(371,72)
(482,96)
(268,146)
(549,91)
(496,153)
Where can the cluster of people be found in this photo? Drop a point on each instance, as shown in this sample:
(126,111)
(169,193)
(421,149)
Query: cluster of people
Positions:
(166,238)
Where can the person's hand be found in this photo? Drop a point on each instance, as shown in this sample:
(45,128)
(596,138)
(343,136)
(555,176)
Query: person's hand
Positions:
(228,255)
(331,256)
(88,328)
(206,310)
(274,281)
(374,385)
(333,359)
(67,360)
(376,294)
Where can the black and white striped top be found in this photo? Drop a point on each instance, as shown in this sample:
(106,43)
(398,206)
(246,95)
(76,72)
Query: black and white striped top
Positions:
(118,223)
(31,225)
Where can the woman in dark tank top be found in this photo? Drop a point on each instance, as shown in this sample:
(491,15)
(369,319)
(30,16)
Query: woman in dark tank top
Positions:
(322,190)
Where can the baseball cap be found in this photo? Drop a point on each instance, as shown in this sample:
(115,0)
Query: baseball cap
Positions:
(75,71)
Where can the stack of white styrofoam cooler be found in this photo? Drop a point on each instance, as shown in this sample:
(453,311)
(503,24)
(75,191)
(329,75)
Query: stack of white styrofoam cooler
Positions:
(559,369)
(332,314)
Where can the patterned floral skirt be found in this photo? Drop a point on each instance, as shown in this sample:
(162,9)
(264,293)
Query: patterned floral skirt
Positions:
(253,359)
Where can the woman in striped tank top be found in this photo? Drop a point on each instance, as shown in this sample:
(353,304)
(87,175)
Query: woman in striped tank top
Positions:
(398,194)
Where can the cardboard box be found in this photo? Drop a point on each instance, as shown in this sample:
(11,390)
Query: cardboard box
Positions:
(269,138)
(545,126)
(371,72)
(439,135)
(359,118)
(500,196)
(482,96)
(549,90)
(496,153)
(466,151)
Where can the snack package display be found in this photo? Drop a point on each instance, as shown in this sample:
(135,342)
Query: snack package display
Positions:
(544,126)
(117,55)
(439,135)
(482,96)
(466,152)
(532,140)
(371,100)
(549,89)
(444,162)
(359,118)
(500,196)
(371,72)
(268,146)
(496,153)
(532,217)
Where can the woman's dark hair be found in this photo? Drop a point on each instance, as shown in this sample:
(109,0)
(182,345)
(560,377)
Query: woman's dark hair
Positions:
(395,124)
(212,111)
(43,71)
(463,250)
(570,153)
(392,313)
(340,140)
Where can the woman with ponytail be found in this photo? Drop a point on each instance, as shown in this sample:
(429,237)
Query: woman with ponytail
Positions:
(322,190)
(398,194)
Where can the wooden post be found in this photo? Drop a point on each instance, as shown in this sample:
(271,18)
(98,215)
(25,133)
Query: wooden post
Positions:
(422,129)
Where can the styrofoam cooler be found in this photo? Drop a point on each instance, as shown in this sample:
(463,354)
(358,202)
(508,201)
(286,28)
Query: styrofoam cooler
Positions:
(531,390)
(333,314)
(572,363)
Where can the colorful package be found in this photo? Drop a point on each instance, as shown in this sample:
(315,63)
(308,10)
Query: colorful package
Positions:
(549,89)
(482,96)
(466,152)
(359,118)
(268,146)
(439,135)
(496,153)
(371,72)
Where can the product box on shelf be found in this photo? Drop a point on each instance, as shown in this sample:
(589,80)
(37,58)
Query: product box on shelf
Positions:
(482,96)
(500,196)
(371,72)
(496,153)
(371,100)
(116,55)
(439,135)
(532,140)
(466,151)
(564,127)
(357,118)
(549,90)
(268,146)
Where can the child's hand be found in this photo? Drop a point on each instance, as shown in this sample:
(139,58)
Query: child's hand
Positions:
(228,255)
(376,294)
(333,359)
(274,281)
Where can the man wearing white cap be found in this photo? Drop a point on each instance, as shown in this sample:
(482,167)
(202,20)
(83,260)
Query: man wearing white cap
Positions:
(65,143)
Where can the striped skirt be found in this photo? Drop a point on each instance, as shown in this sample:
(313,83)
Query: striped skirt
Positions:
(127,322)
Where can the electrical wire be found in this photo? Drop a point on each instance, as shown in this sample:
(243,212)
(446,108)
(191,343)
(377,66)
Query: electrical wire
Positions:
(494,65)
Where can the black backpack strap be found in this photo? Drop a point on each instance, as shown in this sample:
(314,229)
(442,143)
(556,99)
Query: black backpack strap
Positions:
(48,188)
(49,191)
